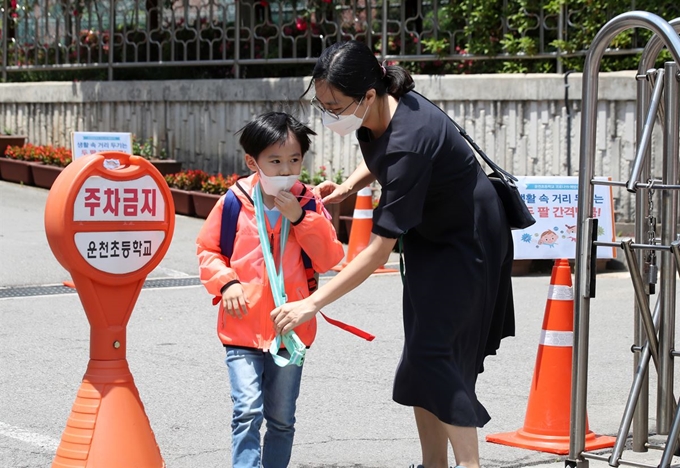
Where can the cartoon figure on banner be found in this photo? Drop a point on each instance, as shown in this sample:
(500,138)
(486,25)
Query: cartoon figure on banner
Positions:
(571,232)
(548,238)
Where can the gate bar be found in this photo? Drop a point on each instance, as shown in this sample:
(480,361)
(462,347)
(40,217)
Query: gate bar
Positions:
(646,136)
(669,210)
(642,302)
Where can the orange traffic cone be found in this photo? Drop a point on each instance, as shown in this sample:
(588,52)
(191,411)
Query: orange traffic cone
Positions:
(362,224)
(546,425)
(107,427)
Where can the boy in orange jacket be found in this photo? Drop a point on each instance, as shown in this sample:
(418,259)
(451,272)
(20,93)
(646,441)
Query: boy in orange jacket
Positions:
(275,144)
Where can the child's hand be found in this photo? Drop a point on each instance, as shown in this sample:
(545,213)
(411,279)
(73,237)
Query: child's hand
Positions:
(234,301)
(288,205)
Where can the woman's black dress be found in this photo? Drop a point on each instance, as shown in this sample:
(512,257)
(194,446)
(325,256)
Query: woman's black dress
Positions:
(458,254)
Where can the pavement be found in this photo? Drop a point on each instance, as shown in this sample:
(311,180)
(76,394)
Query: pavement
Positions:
(346,417)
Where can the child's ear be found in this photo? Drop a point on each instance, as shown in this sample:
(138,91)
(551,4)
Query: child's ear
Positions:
(250,162)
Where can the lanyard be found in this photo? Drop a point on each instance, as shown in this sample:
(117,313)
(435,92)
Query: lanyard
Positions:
(291,341)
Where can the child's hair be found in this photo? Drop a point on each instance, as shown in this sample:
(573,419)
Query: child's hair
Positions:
(270,128)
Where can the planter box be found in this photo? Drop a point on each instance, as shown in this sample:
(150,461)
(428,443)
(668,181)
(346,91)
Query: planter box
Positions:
(13,170)
(44,175)
(166,166)
(184,201)
(204,203)
(10,140)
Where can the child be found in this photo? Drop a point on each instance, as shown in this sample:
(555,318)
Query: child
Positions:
(275,144)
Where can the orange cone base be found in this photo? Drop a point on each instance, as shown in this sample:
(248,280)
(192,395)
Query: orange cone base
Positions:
(378,270)
(107,427)
(69,284)
(547,443)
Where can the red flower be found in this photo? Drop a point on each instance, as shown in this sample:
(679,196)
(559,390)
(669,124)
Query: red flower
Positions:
(301,24)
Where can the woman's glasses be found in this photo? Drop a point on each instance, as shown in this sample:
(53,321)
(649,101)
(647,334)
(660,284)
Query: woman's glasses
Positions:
(336,115)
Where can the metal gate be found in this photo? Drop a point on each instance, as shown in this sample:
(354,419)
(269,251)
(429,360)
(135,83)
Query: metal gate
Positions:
(653,258)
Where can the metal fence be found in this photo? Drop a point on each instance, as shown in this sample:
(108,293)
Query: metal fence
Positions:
(229,36)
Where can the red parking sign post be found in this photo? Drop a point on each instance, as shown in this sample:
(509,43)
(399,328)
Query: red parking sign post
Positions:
(109,220)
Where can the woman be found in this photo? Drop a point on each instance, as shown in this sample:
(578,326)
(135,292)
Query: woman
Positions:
(457,246)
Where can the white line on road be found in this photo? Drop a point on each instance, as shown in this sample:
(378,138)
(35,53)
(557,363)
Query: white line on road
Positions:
(46,443)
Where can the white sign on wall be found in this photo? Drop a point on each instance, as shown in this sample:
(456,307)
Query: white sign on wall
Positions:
(84,143)
(554,203)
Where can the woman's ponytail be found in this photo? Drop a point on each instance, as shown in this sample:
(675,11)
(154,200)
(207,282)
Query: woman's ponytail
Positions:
(397,81)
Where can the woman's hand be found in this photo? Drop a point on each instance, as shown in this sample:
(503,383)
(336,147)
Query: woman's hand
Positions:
(292,314)
(330,192)
(234,301)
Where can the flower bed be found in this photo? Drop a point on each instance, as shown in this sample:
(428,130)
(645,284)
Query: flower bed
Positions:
(195,192)
(34,164)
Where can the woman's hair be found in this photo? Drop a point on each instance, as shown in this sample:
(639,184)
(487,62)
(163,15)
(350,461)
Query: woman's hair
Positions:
(352,68)
(270,128)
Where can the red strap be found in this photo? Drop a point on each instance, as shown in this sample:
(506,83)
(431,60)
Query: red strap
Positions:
(349,328)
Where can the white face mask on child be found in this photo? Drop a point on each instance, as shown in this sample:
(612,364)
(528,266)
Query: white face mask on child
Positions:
(272,185)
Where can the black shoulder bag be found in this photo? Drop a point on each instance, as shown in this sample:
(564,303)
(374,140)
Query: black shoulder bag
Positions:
(516,210)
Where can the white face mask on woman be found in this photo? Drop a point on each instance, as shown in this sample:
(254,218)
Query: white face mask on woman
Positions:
(344,124)
(272,185)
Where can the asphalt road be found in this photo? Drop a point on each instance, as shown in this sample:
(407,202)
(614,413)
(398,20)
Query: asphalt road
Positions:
(346,417)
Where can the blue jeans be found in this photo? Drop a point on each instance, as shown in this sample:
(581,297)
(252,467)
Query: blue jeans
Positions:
(261,389)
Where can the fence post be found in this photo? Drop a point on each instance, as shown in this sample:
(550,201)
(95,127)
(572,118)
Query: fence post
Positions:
(237,38)
(4,40)
(112,30)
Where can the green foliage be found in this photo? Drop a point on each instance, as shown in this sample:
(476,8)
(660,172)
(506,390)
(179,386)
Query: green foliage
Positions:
(146,149)
(339,176)
(513,28)
(313,179)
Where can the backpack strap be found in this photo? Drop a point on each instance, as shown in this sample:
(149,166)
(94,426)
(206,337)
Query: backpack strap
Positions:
(312,278)
(230,210)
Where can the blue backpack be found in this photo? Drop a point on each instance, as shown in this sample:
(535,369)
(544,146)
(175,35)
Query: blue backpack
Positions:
(230,212)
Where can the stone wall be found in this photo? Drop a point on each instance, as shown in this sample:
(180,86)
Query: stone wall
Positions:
(519,120)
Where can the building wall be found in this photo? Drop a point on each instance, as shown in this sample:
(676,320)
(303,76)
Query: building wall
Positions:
(519,120)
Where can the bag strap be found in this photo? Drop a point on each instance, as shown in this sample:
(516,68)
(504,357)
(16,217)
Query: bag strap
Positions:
(495,167)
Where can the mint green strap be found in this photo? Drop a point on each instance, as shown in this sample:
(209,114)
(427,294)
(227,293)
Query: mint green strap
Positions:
(291,341)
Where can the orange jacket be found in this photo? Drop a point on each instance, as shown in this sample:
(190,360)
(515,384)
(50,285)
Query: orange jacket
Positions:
(314,234)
